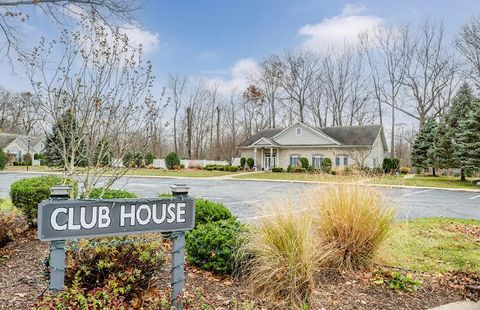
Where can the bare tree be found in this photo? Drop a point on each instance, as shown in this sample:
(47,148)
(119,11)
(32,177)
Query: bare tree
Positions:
(105,88)
(298,75)
(268,80)
(386,51)
(468,43)
(176,86)
(430,72)
(15,12)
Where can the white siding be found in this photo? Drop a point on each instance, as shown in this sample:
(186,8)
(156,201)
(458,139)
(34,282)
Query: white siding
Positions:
(307,137)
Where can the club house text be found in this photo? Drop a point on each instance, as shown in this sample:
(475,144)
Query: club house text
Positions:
(129,215)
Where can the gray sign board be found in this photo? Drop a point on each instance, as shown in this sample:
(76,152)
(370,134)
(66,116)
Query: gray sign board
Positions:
(74,219)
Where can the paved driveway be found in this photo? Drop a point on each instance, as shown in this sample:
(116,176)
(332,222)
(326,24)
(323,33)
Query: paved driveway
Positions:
(250,199)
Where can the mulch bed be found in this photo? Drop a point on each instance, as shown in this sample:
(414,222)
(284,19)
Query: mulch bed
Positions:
(22,281)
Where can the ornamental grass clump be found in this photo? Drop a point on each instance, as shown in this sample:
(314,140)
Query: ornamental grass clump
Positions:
(280,256)
(353,221)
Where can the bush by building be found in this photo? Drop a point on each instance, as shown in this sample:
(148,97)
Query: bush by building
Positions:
(327,165)
(250,162)
(243,161)
(233,168)
(304,162)
(149,158)
(3,159)
(277,169)
(103,193)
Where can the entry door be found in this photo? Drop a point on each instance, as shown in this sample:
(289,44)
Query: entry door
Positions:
(269,162)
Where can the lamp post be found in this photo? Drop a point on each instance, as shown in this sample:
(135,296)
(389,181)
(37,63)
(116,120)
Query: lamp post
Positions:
(28,152)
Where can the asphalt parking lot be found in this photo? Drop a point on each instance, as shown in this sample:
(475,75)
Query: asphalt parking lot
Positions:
(250,200)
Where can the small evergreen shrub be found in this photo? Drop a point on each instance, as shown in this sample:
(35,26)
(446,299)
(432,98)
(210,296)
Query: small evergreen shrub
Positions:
(304,162)
(207,211)
(149,158)
(172,160)
(298,169)
(3,159)
(125,263)
(209,168)
(404,170)
(213,246)
(250,162)
(103,193)
(289,168)
(26,194)
(243,161)
(390,165)
(182,166)
(277,169)
(233,168)
(327,165)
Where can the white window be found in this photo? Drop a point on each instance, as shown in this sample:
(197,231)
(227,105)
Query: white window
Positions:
(341,161)
(299,131)
(317,161)
(294,160)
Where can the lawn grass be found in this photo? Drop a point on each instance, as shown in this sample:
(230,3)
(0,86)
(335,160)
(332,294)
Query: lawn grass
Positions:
(136,172)
(317,177)
(425,180)
(434,245)
(417,180)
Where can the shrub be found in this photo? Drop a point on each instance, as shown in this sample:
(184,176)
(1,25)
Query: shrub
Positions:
(250,162)
(279,258)
(327,165)
(172,160)
(277,169)
(390,164)
(213,246)
(26,194)
(3,159)
(38,156)
(209,168)
(353,222)
(12,224)
(219,168)
(334,172)
(75,298)
(128,159)
(243,161)
(304,162)
(182,166)
(103,193)
(126,263)
(149,158)
(233,168)
(207,211)
(404,170)
(396,281)
(298,169)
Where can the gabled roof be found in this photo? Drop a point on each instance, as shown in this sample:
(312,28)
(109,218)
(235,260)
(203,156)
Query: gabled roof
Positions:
(353,135)
(266,133)
(345,135)
(7,138)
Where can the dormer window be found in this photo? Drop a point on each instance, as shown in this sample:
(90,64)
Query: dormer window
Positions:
(299,131)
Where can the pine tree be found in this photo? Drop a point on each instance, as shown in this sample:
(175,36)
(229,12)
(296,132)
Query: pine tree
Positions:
(62,140)
(452,140)
(468,142)
(423,154)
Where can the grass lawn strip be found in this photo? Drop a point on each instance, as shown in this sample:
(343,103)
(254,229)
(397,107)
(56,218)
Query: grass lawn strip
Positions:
(411,181)
(434,245)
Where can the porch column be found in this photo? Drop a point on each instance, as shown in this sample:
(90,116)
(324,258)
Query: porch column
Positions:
(271,158)
(255,158)
(262,160)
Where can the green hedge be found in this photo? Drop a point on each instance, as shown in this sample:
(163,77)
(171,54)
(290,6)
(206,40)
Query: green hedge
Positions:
(207,211)
(110,194)
(3,159)
(233,168)
(26,194)
(277,169)
(213,246)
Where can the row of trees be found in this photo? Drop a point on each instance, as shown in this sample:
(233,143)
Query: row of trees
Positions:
(454,141)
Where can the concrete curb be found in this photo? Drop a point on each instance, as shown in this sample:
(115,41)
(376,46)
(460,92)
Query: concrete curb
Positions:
(461,305)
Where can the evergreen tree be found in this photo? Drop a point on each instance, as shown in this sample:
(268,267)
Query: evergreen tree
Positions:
(452,141)
(103,154)
(62,140)
(3,159)
(423,154)
(468,142)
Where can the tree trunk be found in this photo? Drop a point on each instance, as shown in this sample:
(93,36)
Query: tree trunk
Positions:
(218,133)
(392,141)
(462,174)
(272,107)
(434,172)
(189,132)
